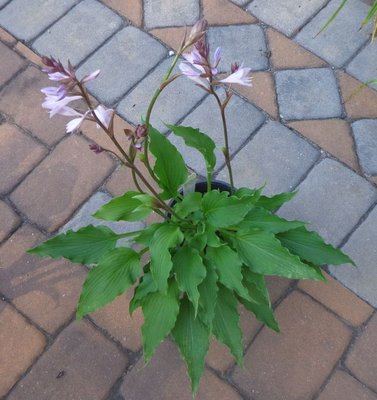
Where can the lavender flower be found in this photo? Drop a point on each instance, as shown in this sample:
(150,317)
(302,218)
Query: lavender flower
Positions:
(240,75)
(104,114)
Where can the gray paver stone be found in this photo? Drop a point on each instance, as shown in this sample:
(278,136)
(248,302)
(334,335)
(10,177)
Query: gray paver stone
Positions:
(161,13)
(240,2)
(123,60)
(84,218)
(361,247)
(240,43)
(286,16)
(276,157)
(342,38)
(364,65)
(332,199)
(176,100)
(26,19)
(365,134)
(243,119)
(79,32)
(308,94)
(3,2)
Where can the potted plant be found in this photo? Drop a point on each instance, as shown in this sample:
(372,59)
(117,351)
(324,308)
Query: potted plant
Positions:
(213,245)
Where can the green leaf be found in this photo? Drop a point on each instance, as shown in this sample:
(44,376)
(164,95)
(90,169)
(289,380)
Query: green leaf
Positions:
(274,202)
(169,166)
(160,314)
(252,194)
(132,206)
(199,141)
(311,247)
(190,272)
(192,338)
(261,307)
(222,210)
(165,237)
(147,285)
(264,220)
(226,326)
(228,266)
(265,255)
(86,246)
(114,274)
(190,203)
(208,296)
(146,236)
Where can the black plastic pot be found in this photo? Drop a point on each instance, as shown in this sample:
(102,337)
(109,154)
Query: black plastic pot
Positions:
(201,187)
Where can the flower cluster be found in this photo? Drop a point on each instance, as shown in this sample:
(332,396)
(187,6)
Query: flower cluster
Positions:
(70,89)
(199,68)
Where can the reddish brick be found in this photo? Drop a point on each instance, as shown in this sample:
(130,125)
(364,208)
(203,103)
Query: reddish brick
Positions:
(223,12)
(20,342)
(29,54)
(9,220)
(45,290)
(294,364)
(81,364)
(362,359)
(344,387)
(165,378)
(22,99)
(171,36)
(277,287)
(10,63)
(333,135)
(285,53)
(219,357)
(339,299)
(61,183)
(7,37)
(262,93)
(361,104)
(115,319)
(131,9)
(19,153)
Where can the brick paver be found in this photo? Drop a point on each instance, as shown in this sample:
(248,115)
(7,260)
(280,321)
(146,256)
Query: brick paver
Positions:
(362,248)
(21,99)
(81,364)
(23,342)
(19,153)
(10,63)
(164,378)
(61,183)
(299,91)
(126,50)
(297,361)
(275,157)
(332,135)
(45,290)
(361,360)
(28,18)
(342,39)
(9,220)
(79,32)
(52,179)
(345,387)
(327,195)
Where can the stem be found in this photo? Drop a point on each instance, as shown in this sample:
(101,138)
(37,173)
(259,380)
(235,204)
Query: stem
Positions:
(128,162)
(127,234)
(149,112)
(225,129)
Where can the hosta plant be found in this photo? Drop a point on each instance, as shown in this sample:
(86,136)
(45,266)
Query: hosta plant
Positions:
(211,249)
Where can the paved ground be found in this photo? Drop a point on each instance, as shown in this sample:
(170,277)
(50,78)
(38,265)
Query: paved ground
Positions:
(291,129)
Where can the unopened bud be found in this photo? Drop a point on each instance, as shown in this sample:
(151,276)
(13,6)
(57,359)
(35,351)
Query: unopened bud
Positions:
(96,148)
(141,131)
(234,67)
(197,32)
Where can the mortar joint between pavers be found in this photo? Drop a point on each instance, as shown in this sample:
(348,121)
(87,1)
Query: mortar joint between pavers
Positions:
(349,372)
(14,76)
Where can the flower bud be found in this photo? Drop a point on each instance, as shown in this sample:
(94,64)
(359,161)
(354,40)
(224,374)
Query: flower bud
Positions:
(197,32)
(96,148)
(141,131)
